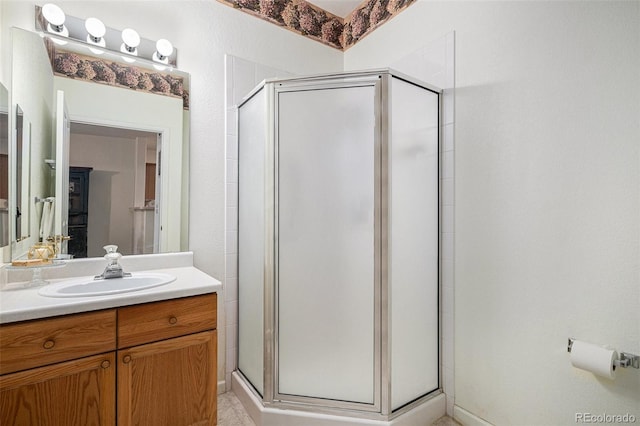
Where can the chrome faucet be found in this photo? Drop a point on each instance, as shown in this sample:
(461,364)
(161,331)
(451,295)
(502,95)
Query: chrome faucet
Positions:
(113,269)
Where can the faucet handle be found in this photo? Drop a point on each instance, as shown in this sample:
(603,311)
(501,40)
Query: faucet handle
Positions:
(111,248)
(113,257)
(113,269)
(112,254)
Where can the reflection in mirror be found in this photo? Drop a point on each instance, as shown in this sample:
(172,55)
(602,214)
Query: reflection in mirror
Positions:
(32,90)
(112,190)
(4,166)
(19,185)
(102,99)
(22,175)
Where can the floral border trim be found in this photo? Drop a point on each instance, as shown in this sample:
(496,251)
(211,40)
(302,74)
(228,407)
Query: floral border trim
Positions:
(316,23)
(111,73)
(370,15)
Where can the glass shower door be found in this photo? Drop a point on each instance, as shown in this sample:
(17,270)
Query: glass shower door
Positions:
(326,269)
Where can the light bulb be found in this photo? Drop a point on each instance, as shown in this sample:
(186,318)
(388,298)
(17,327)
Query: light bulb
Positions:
(164,49)
(131,41)
(55,19)
(96,31)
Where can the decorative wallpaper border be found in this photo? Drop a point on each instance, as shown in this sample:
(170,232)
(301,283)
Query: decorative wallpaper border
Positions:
(370,15)
(318,24)
(112,73)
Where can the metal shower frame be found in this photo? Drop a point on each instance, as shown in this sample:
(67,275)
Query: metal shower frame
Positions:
(381,408)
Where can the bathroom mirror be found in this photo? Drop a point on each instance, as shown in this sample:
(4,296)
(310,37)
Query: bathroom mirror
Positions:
(4,166)
(102,115)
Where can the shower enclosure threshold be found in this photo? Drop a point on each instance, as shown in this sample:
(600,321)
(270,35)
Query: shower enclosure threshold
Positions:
(425,413)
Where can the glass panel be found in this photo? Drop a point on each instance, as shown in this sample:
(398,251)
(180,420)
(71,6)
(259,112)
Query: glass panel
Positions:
(413,268)
(251,232)
(326,243)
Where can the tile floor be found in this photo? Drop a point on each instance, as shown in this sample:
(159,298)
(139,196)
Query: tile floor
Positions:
(445,421)
(232,413)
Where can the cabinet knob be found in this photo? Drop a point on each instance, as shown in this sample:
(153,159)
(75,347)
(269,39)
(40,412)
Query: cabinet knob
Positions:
(105,364)
(126,359)
(173,320)
(49,344)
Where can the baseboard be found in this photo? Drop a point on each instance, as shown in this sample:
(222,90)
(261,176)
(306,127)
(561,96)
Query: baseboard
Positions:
(468,419)
(222,387)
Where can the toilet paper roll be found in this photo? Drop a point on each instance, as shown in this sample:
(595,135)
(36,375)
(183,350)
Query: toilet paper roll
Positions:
(596,359)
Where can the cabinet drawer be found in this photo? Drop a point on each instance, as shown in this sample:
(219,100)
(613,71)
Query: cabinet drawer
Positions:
(41,342)
(162,320)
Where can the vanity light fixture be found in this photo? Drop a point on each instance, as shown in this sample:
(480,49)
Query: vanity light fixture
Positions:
(95,31)
(164,49)
(131,40)
(59,28)
(55,19)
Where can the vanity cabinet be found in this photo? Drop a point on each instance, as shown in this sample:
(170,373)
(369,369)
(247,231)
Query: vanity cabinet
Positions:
(79,392)
(37,343)
(59,371)
(167,367)
(73,370)
(171,382)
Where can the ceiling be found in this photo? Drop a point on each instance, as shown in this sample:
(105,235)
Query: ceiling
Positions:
(341,8)
(105,131)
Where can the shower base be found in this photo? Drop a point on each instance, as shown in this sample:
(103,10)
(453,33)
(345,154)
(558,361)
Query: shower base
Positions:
(423,414)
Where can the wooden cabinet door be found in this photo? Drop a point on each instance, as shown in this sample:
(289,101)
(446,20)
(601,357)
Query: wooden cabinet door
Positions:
(169,383)
(73,393)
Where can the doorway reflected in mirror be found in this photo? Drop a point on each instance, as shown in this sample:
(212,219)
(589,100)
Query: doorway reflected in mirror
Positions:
(113,188)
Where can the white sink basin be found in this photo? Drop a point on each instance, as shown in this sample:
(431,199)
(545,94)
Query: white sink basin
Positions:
(88,286)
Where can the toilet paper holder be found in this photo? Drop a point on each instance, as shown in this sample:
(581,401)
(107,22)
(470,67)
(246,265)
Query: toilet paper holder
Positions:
(625,359)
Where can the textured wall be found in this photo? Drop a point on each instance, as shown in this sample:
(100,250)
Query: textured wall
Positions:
(547,186)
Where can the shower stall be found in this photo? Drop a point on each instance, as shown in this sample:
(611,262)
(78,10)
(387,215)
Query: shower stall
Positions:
(338,225)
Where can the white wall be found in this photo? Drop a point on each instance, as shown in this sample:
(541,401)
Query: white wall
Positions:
(547,197)
(202,31)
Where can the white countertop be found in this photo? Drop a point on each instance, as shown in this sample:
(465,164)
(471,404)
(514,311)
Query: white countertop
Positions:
(18,303)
